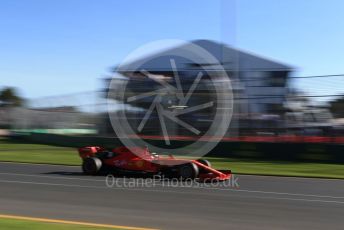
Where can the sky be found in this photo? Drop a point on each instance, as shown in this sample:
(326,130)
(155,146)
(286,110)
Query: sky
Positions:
(66,46)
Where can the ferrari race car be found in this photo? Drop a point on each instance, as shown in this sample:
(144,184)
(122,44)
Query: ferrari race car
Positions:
(123,160)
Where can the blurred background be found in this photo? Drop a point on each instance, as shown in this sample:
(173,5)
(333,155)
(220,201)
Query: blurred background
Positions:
(284,63)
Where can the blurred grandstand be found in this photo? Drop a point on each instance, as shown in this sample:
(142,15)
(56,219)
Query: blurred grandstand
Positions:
(268,101)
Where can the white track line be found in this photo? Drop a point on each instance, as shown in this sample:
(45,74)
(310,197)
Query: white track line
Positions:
(169,191)
(81,186)
(198,187)
(282,193)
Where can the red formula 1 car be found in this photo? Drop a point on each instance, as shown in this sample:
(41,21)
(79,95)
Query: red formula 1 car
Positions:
(123,160)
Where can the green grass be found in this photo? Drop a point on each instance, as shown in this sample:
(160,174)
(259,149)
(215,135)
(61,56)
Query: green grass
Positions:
(302,169)
(11,224)
(34,153)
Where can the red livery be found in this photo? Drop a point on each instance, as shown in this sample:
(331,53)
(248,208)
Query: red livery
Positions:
(124,160)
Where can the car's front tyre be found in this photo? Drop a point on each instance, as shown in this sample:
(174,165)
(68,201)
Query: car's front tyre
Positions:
(204,162)
(91,165)
(188,171)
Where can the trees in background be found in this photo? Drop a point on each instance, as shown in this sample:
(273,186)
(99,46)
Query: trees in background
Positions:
(337,107)
(9,97)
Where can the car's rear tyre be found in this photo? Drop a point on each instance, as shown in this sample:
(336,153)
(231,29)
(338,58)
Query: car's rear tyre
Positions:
(188,171)
(91,165)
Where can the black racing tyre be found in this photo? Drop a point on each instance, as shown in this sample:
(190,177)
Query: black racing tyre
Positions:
(188,171)
(91,165)
(206,163)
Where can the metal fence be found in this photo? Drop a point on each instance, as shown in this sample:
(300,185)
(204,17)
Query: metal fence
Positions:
(306,112)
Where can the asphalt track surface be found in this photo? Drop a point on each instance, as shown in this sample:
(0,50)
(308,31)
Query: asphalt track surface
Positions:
(62,192)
